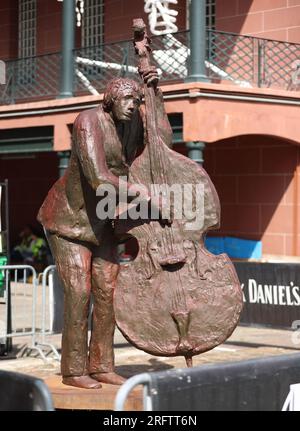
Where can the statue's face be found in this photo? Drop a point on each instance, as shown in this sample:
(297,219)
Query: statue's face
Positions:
(125,106)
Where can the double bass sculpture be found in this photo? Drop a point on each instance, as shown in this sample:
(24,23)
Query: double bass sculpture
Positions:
(175,298)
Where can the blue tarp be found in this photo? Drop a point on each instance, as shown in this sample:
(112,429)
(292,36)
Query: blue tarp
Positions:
(234,247)
(215,245)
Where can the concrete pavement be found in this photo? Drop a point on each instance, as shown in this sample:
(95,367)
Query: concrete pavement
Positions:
(245,343)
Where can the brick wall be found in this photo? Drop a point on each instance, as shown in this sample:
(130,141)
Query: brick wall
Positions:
(29,182)
(257,179)
(118,16)
(120,13)
(273,19)
(49,22)
(49,27)
(9,29)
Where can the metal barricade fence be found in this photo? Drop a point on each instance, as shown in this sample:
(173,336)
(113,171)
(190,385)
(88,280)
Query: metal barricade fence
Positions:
(18,308)
(259,384)
(47,309)
(27,307)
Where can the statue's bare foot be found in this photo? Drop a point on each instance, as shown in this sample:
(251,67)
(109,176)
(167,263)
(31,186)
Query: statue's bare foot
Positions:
(110,378)
(85,382)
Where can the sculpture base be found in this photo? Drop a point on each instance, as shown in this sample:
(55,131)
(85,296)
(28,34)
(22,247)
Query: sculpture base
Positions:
(71,398)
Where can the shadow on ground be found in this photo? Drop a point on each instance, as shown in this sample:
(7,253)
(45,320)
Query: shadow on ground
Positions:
(152,365)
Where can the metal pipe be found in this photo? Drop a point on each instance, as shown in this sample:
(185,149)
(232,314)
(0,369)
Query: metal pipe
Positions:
(197,41)
(34,299)
(45,276)
(122,394)
(64,157)
(49,111)
(195,151)
(166,97)
(7,222)
(68,43)
(296,211)
(197,94)
(9,345)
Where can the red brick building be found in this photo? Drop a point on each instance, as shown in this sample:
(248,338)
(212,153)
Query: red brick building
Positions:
(246,114)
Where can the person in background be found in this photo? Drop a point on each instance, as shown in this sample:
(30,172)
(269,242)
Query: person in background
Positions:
(32,250)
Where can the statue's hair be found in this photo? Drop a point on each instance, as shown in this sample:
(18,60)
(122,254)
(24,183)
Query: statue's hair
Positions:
(115,88)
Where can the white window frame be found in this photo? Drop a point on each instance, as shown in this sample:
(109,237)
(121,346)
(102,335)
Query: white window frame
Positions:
(92,32)
(27,41)
(27,28)
(210,14)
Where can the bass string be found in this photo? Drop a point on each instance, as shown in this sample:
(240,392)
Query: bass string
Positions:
(180,297)
(156,144)
(168,244)
(165,180)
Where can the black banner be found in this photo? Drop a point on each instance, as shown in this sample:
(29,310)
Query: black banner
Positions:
(271,293)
